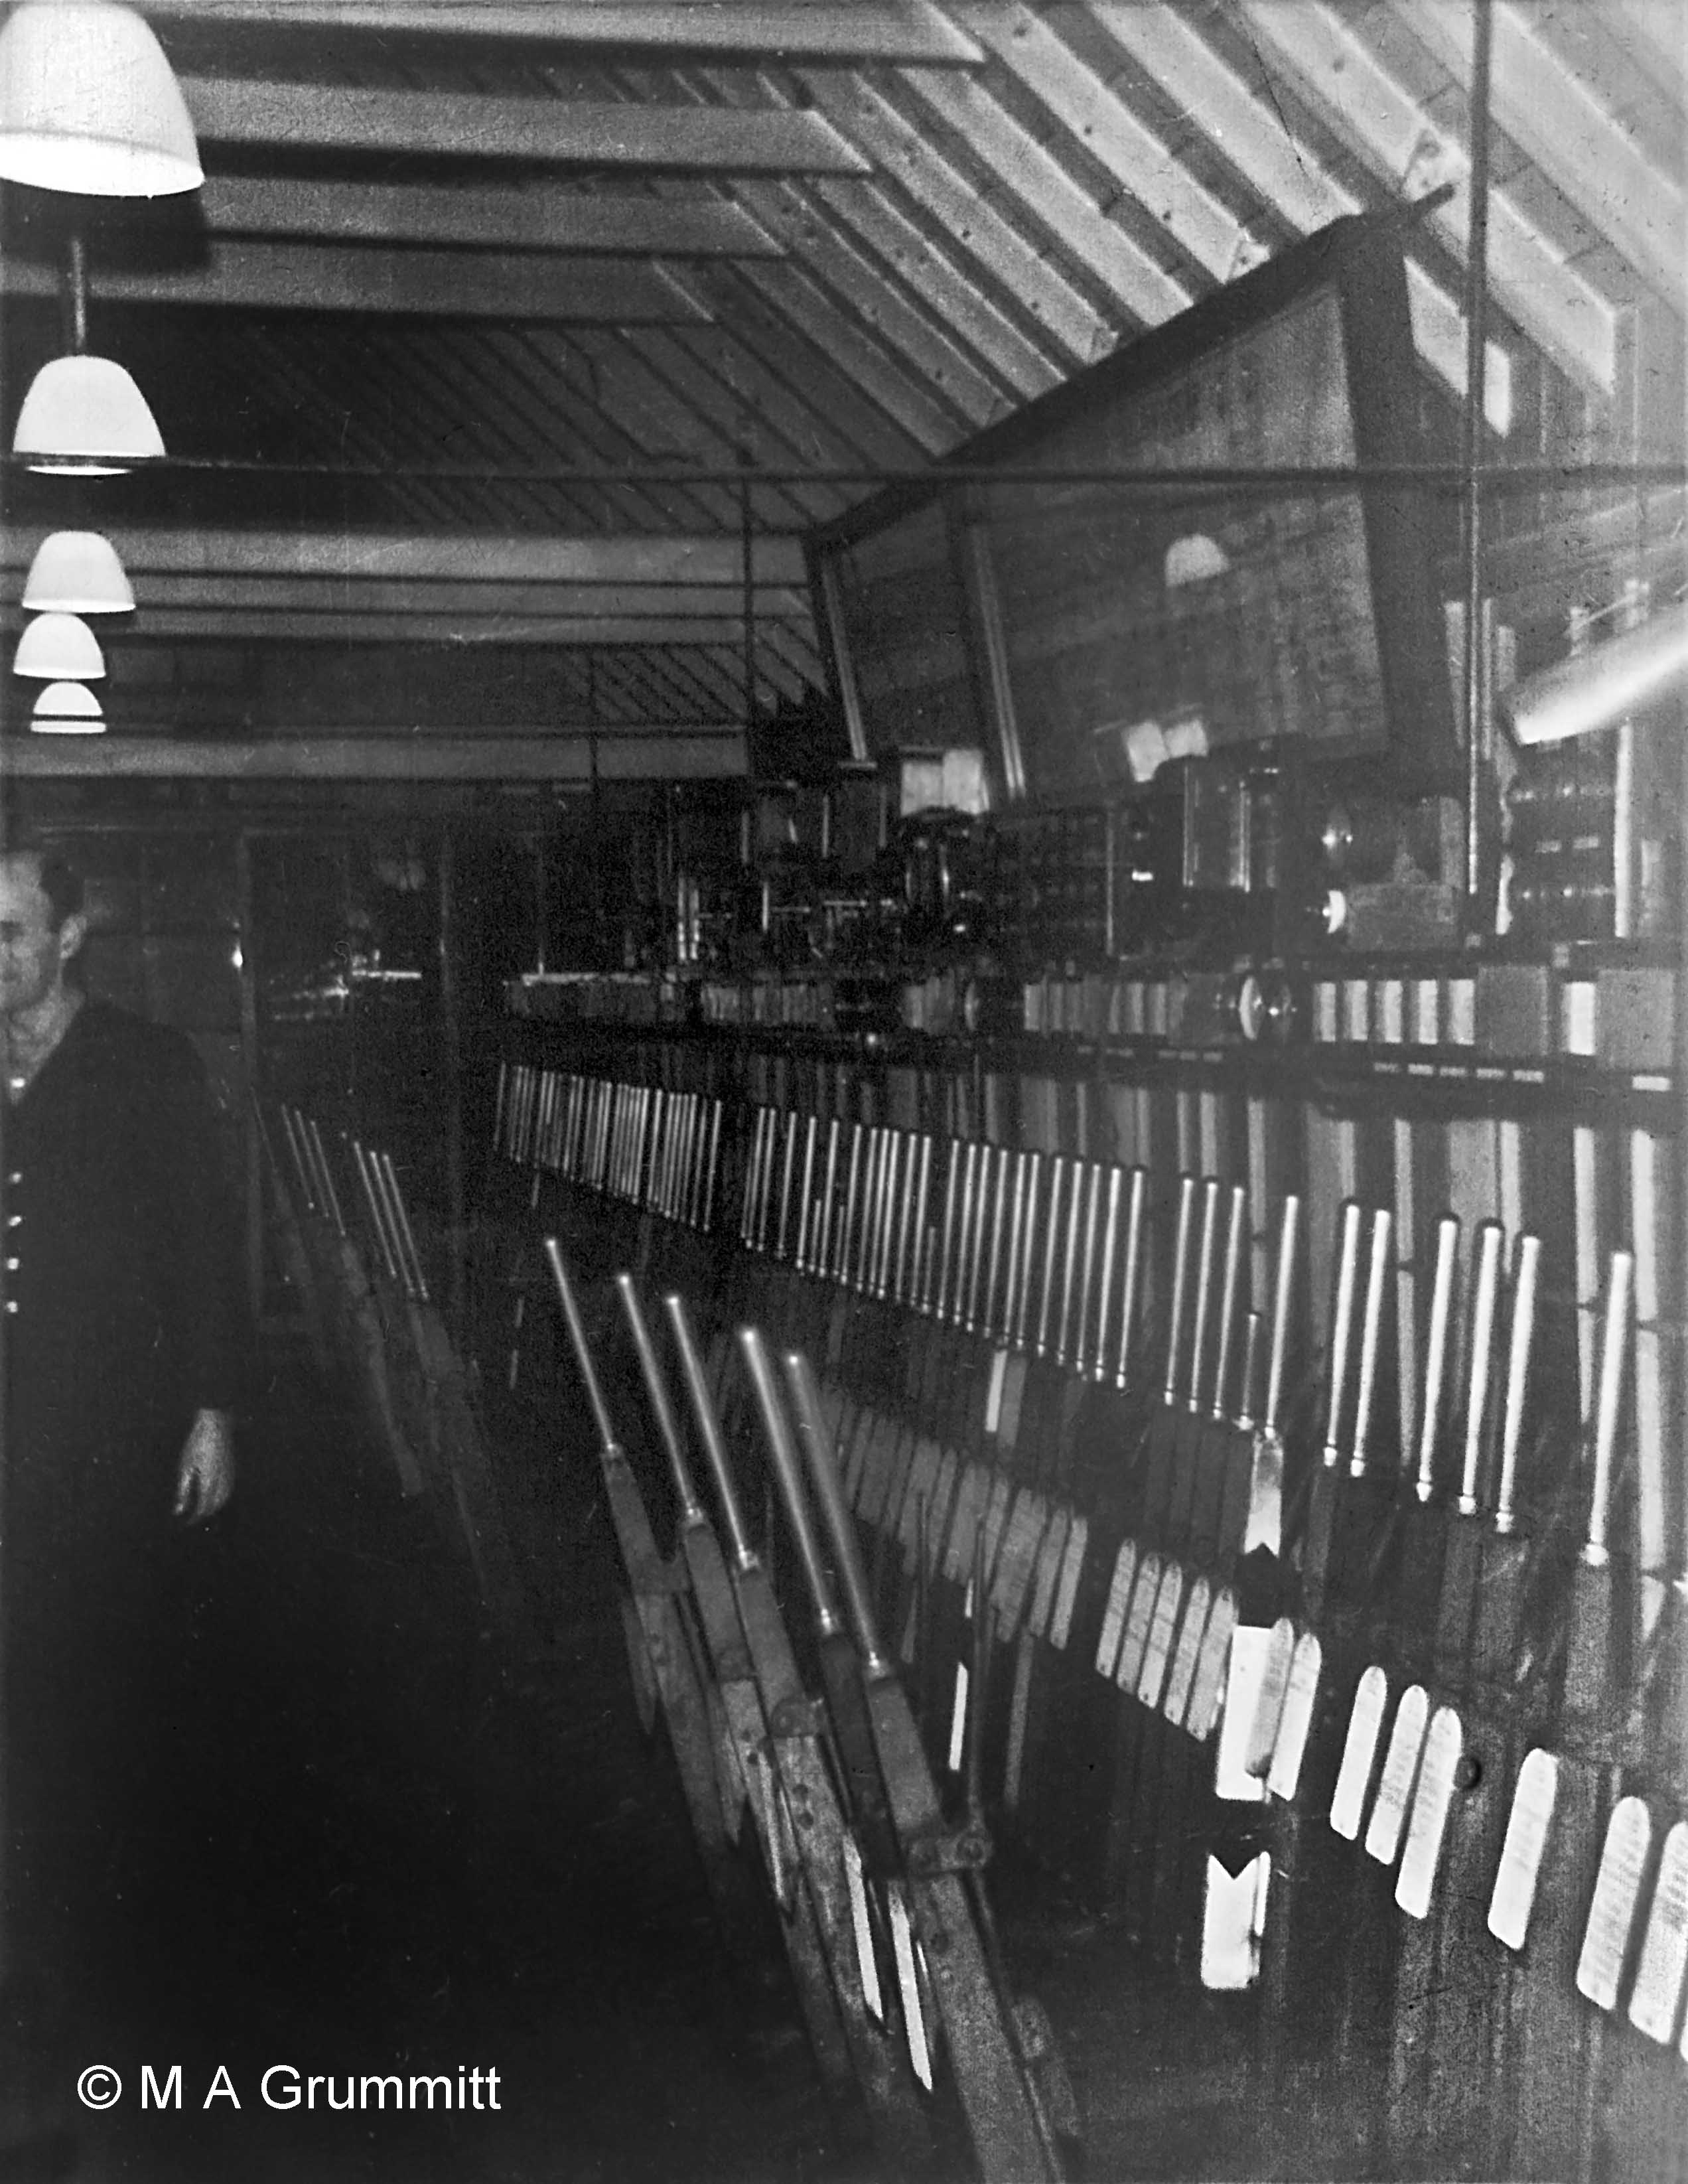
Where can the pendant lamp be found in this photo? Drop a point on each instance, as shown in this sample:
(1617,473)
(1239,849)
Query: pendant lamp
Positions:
(67,709)
(83,415)
(88,103)
(77,573)
(58,647)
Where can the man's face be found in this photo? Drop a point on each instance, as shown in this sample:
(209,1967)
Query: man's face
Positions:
(33,949)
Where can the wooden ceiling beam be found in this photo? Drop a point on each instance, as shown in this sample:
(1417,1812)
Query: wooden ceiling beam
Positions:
(300,386)
(614,558)
(1205,229)
(173,624)
(665,751)
(1331,67)
(931,305)
(851,224)
(899,318)
(793,642)
(1072,226)
(775,678)
(906,31)
(668,604)
(544,218)
(781,310)
(732,390)
(723,418)
(569,132)
(970,222)
(1656,33)
(541,370)
(308,276)
(1590,157)
(1252,139)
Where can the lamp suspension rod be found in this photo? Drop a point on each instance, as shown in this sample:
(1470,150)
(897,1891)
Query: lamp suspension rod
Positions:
(76,296)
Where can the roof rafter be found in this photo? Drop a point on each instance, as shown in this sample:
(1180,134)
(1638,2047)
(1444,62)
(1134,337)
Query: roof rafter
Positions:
(477,125)
(865,219)
(894,30)
(391,374)
(427,627)
(1072,222)
(425,497)
(1658,30)
(773,382)
(538,363)
(882,307)
(1205,229)
(304,276)
(1331,67)
(862,217)
(859,224)
(1583,151)
(665,750)
(550,219)
(1252,138)
(377,595)
(468,357)
(677,373)
(602,558)
(801,327)
(968,220)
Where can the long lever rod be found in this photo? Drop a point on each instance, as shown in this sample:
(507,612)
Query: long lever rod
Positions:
(708,1424)
(656,1388)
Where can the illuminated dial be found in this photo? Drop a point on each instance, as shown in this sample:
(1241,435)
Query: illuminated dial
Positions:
(1265,1006)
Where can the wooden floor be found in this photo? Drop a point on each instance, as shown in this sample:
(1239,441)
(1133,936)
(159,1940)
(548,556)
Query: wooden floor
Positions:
(407,1852)
(404,1853)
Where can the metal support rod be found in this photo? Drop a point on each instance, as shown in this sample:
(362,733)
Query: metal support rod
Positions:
(451,1025)
(1476,372)
(76,297)
(747,539)
(1294,478)
(1678,1517)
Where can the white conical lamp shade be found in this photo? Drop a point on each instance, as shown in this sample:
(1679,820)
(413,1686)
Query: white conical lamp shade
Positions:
(85,415)
(67,709)
(77,573)
(59,648)
(88,103)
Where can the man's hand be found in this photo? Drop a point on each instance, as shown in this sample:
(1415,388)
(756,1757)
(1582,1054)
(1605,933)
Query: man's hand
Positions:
(205,1478)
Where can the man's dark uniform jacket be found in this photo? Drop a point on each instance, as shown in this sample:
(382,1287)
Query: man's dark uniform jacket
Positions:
(122,1318)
